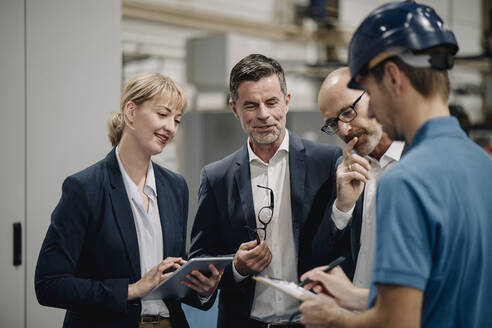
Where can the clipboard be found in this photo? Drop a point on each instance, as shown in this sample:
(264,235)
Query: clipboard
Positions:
(290,288)
(172,288)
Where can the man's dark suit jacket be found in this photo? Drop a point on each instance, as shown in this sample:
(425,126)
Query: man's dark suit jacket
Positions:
(225,205)
(90,253)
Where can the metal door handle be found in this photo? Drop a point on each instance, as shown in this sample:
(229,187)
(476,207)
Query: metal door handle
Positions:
(17,243)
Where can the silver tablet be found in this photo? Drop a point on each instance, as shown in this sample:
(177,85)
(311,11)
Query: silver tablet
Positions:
(172,288)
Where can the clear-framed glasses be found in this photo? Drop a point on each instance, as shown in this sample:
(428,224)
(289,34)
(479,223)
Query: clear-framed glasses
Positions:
(265,215)
(345,115)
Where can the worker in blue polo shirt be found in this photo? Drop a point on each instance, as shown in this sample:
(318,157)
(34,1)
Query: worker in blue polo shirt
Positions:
(433,258)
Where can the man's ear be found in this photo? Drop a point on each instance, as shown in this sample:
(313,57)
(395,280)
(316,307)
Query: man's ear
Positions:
(393,78)
(287,102)
(234,108)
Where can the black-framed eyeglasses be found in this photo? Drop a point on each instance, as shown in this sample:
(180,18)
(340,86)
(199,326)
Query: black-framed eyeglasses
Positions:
(265,215)
(345,115)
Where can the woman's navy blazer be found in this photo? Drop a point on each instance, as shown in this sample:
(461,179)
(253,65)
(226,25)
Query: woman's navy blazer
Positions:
(90,253)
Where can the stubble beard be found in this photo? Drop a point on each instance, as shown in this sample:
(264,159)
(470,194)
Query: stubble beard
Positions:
(373,139)
(367,141)
(394,134)
(266,139)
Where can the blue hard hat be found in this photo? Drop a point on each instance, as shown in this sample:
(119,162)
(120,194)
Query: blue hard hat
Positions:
(404,26)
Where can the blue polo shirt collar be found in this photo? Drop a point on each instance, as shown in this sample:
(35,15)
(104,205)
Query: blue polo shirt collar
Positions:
(436,127)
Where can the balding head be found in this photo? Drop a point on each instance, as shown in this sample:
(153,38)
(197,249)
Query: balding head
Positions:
(335,97)
(334,94)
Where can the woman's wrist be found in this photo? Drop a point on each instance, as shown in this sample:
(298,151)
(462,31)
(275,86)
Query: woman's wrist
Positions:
(133,292)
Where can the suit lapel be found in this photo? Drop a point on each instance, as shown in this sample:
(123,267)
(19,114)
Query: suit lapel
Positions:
(242,178)
(123,214)
(297,168)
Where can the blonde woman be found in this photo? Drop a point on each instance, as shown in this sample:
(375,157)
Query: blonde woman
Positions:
(120,225)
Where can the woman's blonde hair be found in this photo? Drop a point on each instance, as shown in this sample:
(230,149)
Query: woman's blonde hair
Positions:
(140,89)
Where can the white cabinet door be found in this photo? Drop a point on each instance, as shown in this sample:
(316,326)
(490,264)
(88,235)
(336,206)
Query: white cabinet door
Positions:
(60,64)
(12,160)
(73,84)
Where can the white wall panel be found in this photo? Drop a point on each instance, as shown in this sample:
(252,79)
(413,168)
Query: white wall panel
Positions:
(12,163)
(254,10)
(73,84)
(467,25)
(139,37)
(463,17)
(352,12)
(469,38)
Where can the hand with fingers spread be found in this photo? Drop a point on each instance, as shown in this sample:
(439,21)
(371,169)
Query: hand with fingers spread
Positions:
(154,277)
(352,174)
(252,258)
(203,285)
(337,285)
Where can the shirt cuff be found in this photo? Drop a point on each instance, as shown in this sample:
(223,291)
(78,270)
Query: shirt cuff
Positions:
(341,219)
(237,276)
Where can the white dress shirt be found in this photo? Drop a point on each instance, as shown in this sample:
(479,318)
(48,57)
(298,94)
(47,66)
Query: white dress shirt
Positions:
(365,259)
(149,233)
(270,305)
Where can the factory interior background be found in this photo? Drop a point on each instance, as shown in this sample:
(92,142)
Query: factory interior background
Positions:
(63,64)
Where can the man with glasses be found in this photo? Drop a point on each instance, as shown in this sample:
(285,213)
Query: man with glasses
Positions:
(266,202)
(433,255)
(358,173)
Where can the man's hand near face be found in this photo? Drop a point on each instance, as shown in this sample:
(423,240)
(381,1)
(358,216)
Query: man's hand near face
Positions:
(352,174)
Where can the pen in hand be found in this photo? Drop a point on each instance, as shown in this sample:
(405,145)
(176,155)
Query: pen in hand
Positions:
(330,267)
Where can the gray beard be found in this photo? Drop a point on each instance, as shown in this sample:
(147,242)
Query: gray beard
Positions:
(269,139)
(370,145)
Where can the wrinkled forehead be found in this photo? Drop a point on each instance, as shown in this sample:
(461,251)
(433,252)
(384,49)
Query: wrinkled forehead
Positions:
(267,86)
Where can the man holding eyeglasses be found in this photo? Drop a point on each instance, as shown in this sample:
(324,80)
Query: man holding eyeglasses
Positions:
(345,112)
(266,202)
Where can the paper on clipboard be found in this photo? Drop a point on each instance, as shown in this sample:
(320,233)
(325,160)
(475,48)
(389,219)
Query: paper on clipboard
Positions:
(287,287)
